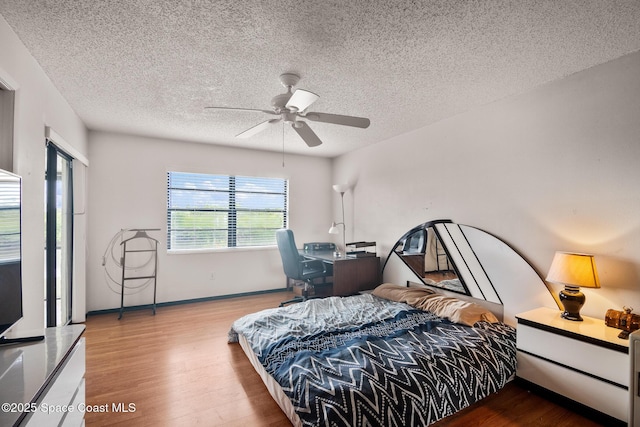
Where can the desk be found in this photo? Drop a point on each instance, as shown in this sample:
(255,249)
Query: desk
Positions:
(350,275)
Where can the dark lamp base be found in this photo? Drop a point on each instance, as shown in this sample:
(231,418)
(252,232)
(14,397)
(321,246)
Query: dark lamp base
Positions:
(572,300)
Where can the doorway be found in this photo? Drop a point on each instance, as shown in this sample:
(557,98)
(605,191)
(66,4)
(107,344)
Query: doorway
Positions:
(58,236)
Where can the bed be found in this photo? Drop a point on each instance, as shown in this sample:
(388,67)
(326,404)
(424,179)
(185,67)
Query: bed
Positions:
(398,356)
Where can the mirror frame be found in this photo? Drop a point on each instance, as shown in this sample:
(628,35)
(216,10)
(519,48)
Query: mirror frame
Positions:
(494,274)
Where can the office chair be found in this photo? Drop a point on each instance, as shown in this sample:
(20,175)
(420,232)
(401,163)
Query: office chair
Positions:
(296,267)
(416,243)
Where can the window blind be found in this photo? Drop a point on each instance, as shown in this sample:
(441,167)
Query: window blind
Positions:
(9,221)
(223,211)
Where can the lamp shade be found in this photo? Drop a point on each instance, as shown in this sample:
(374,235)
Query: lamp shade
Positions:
(576,270)
(334,228)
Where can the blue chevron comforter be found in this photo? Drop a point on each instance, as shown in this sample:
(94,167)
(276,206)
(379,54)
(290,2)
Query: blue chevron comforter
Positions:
(366,361)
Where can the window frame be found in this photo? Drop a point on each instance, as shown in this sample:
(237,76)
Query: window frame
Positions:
(232,210)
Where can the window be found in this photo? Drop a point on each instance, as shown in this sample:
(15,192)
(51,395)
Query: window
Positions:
(9,218)
(221,211)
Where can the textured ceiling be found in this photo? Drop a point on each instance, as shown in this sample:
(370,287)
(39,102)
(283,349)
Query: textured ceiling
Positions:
(148,67)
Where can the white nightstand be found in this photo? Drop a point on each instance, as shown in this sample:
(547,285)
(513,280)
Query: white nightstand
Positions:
(584,361)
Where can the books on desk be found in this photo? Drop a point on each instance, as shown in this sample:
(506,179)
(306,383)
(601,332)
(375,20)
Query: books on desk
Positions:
(359,254)
(319,247)
(361,249)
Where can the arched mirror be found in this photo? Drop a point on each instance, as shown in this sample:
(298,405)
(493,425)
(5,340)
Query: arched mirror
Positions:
(421,249)
(470,263)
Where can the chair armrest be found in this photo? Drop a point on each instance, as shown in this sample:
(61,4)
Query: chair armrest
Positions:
(310,263)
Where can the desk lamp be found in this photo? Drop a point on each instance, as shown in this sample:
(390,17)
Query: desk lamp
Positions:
(573,271)
(340,188)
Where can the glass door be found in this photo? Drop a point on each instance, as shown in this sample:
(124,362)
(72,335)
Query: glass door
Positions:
(59,236)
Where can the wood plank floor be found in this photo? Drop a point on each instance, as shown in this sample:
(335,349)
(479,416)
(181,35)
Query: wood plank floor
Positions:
(176,368)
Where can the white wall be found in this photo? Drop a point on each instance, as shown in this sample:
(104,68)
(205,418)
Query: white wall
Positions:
(553,169)
(38,104)
(557,168)
(128,189)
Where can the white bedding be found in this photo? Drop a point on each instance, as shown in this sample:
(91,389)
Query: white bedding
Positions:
(307,319)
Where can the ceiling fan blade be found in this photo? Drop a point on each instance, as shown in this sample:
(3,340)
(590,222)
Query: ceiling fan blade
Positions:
(305,132)
(257,128)
(301,99)
(241,109)
(337,119)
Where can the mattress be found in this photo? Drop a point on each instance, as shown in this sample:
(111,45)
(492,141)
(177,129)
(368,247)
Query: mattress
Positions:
(365,360)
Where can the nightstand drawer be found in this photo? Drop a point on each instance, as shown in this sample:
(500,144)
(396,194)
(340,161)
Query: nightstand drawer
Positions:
(594,360)
(602,396)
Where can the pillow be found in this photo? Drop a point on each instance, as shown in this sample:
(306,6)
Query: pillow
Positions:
(401,293)
(456,310)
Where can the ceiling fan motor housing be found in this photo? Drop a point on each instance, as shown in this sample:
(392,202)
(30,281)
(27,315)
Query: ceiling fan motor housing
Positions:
(289,117)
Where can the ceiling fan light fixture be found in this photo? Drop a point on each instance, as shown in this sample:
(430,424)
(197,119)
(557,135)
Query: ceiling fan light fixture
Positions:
(301,100)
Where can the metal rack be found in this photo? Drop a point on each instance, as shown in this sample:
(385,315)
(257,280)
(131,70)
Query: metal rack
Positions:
(153,250)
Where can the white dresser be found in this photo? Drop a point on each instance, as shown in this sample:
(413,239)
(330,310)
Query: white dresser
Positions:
(583,361)
(42,383)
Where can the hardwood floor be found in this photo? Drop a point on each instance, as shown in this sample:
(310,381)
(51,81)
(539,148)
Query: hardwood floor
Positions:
(176,368)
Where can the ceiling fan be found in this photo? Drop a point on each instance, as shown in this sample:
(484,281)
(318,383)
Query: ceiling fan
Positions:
(291,107)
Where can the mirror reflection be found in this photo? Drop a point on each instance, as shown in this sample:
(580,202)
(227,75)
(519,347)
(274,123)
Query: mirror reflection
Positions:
(424,253)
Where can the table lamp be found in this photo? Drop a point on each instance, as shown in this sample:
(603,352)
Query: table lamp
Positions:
(574,271)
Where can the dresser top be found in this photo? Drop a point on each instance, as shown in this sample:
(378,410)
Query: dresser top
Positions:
(590,327)
(26,369)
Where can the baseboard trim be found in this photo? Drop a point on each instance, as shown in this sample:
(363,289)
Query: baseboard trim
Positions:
(186,301)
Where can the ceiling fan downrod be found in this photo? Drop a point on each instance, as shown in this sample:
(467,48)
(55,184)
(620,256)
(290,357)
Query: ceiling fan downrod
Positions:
(279,102)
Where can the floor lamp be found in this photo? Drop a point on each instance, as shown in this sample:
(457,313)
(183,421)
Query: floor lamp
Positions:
(340,188)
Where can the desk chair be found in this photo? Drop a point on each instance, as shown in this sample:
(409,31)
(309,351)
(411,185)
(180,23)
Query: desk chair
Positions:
(296,267)
(416,243)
